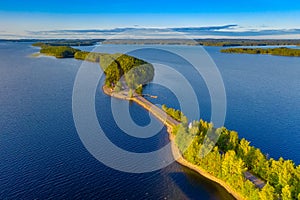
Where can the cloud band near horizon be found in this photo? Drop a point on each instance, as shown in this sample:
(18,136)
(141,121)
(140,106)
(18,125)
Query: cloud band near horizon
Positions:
(221,31)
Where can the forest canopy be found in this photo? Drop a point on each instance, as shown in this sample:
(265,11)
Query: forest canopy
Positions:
(58,51)
(120,67)
(231,158)
(67,42)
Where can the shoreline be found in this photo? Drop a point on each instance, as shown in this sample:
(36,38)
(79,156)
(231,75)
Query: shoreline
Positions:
(175,151)
(182,161)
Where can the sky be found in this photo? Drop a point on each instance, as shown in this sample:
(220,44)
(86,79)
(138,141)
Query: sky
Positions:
(100,19)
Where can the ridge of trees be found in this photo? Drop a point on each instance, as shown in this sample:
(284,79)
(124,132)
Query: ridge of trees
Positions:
(175,114)
(58,51)
(232,156)
(135,72)
(67,42)
(282,51)
(205,42)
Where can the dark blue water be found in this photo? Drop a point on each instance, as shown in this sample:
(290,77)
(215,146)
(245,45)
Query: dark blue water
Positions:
(41,155)
(263,93)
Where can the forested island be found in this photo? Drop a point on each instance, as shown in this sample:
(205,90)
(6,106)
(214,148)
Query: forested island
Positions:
(282,51)
(121,70)
(88,42)
(245,168)
(233,162)
(58,51)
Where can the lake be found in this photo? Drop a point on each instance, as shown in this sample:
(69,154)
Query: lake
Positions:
(42,156)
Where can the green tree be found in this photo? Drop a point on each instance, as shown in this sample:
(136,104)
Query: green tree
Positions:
(139,89)
(267,193)
(130,93)
(118,86)
(286,193)
(231,165)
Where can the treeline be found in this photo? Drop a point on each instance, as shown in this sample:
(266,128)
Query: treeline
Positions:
(152,41)
(175,114)
(204,42)
(89,56)
(58,51)
(127,69)
(67,42)
(120,69)
(283,51)
(246,42)
(231,157)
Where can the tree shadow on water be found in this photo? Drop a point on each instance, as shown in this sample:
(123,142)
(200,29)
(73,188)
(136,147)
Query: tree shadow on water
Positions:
(195,186)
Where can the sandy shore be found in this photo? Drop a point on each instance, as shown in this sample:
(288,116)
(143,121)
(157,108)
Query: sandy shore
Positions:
(176,154)
(175,151)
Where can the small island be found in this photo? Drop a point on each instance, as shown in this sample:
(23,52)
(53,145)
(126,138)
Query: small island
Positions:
(281,51)
(77,42)
(243,170)
(58,51)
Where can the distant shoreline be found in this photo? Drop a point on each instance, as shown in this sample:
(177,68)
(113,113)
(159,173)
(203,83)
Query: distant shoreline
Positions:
(158,41)
(282,51)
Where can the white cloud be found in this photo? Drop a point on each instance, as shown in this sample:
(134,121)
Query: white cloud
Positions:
(221,31)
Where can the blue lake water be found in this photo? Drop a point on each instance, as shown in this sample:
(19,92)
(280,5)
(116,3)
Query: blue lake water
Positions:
(41,155)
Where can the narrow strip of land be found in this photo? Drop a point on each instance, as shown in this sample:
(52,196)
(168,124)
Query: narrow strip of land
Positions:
(229,142)
(169,122)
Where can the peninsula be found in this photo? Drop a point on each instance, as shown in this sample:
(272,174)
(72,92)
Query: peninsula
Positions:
(243,170)
(120,70)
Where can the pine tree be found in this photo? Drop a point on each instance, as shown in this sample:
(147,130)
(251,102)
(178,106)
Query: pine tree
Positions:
(267,193)
(286,193)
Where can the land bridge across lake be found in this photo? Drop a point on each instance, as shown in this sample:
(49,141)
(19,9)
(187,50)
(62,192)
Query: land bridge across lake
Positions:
(168,121)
